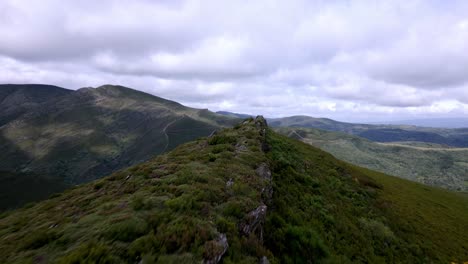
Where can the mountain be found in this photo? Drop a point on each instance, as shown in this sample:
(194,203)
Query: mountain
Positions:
(226,113)
(243,195)
(427,163)
(78,136)
(380,133)
(18,99)
(433,122)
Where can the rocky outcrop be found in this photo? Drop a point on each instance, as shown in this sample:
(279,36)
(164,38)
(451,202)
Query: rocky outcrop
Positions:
(215,249)
(264,260)
(253,222)
(262,126)
(264,171)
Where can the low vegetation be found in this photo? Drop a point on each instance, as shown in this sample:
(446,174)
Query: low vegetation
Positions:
(427,163)
(240,196)
(83,135)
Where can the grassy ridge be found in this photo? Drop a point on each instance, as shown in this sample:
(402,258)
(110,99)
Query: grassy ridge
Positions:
(179,207)
(171,209)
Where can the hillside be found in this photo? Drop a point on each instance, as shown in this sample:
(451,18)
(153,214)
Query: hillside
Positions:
(18,99)
(380,133)
(422,162)
(78,136)
(433,122)
(226,113)
(243,195)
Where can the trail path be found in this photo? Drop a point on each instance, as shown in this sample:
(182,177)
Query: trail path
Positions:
(165,133)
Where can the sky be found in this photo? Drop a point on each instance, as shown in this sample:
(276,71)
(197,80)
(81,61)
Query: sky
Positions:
(348,60)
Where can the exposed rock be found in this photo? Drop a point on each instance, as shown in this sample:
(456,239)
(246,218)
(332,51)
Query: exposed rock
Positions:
(264,171)
(253,222)
(215,249)
(267,194)
(264,260)
(229,183)
(261,123)
(262,126)
(213,133)
(240,147)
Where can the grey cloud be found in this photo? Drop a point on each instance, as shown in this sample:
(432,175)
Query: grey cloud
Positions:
(295,57)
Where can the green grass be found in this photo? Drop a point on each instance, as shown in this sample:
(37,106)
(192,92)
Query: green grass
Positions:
(165,210)
(174,208)
(426,163)
(358,215)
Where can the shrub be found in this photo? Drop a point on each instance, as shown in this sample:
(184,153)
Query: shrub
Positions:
(143,246)
(137,202)
(304,244)
(127,230)
(225,226)
(377,229)
(98,185)
(211,157)
(222,139)
(233,209)
(39,239)
(92,252)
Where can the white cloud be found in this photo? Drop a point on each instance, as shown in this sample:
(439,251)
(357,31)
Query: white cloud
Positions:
(342,59)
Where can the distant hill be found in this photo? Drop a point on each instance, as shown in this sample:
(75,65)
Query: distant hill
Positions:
(226,113)
(427,163)
(78,136)
(380,133)
(433,122)
(243,195)
(18,99)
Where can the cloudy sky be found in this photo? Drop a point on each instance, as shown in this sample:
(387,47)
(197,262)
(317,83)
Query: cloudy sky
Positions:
(348,60)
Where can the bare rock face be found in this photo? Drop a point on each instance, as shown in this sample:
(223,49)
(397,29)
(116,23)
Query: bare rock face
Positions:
(264,260)
(241,147)
(261,125)
(264,171)
(254,222)
(215,249)
(229,183)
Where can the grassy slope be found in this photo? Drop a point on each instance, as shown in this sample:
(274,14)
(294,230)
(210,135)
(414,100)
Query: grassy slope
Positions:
(427,163)
(83,135)
(173,208)
(17,99)
(358,215)
(170,208)
(92,132)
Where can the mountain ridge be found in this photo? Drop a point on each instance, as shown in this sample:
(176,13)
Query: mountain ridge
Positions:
(86,134)
(243,195)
